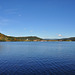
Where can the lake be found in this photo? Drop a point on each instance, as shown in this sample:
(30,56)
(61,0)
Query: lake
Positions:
(37,58)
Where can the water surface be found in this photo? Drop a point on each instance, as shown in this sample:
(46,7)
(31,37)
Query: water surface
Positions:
(37,58)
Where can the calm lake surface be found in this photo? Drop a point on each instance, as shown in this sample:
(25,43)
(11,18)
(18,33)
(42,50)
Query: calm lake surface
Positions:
(37,58)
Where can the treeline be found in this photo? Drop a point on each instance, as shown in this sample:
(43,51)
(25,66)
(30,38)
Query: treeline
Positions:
(31,38)
(9,38)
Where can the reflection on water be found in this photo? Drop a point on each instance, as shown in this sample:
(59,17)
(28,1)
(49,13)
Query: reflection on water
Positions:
(37,58)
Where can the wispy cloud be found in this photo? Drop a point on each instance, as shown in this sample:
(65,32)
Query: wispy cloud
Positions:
(31,31)
(3,21)
(19,15)
(11,11)
(24,28)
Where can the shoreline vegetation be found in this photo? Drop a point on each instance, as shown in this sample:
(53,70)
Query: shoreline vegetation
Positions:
(30,38)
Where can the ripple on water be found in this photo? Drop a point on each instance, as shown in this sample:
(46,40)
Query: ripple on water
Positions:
(37,58)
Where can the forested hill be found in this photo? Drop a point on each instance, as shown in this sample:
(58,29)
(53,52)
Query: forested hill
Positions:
(31,38)
(68,39)
(10,38)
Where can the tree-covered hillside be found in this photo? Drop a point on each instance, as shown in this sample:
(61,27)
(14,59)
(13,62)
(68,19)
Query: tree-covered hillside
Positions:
(10,38)
(69,39)
(31,38)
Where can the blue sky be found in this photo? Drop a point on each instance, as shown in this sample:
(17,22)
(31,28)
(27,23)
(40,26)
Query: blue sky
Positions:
(42,18)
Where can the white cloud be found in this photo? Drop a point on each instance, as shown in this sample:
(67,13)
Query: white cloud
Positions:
(59,35)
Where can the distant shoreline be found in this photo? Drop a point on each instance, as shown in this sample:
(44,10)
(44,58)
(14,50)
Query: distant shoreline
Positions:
(4,38)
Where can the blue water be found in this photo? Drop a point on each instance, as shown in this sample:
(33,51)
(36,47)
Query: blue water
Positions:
(37,58)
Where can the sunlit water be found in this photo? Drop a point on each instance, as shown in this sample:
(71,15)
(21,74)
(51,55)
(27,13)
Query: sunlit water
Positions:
(37,58)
